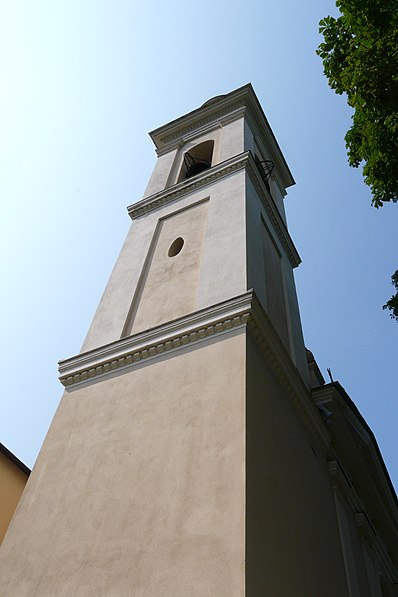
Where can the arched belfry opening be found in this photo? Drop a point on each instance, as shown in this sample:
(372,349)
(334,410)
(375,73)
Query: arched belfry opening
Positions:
(197,159)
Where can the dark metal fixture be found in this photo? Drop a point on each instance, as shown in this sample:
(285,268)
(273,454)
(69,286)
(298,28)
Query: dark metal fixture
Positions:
(265,168)
(195,165)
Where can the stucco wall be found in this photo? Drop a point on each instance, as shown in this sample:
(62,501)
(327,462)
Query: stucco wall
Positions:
(12,484)
(220,271)
(293,546)
(169,283)
(355,564)
(228,142)
(265,271)
(139,487)
(256,145)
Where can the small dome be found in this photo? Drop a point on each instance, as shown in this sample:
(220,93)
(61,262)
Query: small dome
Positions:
(212,100)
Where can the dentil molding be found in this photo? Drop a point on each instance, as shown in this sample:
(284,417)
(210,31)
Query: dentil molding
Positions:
(164,338)
(242,312)
(243,161)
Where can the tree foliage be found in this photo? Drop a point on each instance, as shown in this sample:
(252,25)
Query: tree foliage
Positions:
(392,304)
(360,59)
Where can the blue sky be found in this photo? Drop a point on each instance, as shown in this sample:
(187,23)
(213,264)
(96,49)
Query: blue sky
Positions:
(82,84)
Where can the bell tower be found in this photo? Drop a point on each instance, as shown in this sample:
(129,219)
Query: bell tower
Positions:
(183,455)
(211,226)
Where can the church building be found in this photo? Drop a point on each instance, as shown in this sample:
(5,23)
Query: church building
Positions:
(197,450)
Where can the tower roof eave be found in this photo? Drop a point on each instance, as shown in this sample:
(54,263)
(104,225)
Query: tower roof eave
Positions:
(169,135)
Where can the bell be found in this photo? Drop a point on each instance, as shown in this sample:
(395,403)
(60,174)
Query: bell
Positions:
(197,167)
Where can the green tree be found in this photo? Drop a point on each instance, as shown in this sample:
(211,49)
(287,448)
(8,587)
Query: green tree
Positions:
(360,59)
(392,304)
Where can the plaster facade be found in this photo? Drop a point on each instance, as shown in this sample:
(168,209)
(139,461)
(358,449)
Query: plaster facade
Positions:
(147,484)
(287,521)
(13,477)
(222,272)
(192,452)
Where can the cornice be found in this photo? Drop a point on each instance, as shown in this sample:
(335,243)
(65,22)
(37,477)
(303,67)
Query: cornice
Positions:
(341,481)
(189,185)
(261,129)
(365,527)
(273,213)
(241,101)
(156,341)
(237,313)
(197,127)
(205,114)
(280,361)
(363,522)
(356,472)
(241,161)
(357,449)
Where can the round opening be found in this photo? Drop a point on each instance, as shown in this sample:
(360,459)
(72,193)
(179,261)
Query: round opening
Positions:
(176,247)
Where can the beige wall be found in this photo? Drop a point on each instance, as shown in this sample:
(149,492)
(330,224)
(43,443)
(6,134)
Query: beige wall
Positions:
(12,484)
(219,270)
(272,278)
(256,145)
(274,283)
(228,142)
(168,285)
(292,543)
(139,487)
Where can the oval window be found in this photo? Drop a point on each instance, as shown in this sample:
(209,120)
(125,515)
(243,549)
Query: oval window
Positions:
(176,247)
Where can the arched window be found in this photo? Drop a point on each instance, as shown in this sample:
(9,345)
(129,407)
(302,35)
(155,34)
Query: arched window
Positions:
(196,160)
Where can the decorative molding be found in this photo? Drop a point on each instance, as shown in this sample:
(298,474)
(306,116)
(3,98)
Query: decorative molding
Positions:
(189,185)
(280,361)
(199,127)
(323,394)
(273,213)
(358,454)
(375,541)
(363,522)
(243,311)
(244,98)
(365,527)
(241,161)
(156,341)
(264,137)
(341,481)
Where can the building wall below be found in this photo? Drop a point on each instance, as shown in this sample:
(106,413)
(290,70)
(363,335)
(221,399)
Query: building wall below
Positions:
(139,487)
(12,484)
(292,538)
